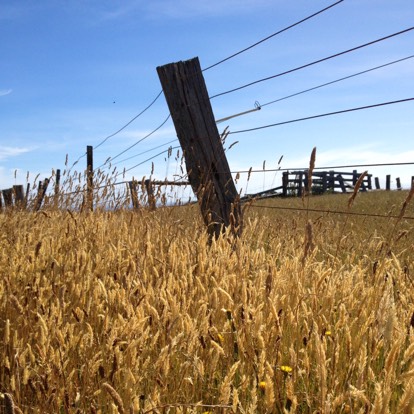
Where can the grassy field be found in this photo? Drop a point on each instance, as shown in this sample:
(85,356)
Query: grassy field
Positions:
(134,312)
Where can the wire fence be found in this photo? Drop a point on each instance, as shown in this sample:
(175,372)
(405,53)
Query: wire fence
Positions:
(73,189)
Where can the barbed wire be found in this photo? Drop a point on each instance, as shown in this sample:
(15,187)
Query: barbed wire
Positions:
(130,121)
(120,129)
(342,212)
(110,159)
(272,35)
(147,160)
(322,115)
(145,152)
(323,168)
(312,63)
(338,80)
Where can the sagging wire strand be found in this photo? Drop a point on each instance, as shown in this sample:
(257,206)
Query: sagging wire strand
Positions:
(130,121)
(345,212)
(120,129)
(272,35)
(393,164)
(144,152)
(136,143)
(322,115)
(313,62)
(338,80)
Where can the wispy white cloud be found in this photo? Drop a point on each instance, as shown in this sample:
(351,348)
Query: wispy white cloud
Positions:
(9,152)
(11,11)
(188,8)
(119,12)
(4,92)
(181,9)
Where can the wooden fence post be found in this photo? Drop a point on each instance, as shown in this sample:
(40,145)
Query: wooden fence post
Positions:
(149,186)
(57,184)
(8,197)
(89,177)
(207,167)
(41,193)
(285,183)
(300,184)
(324,182)
(388,182)
(18,196)
(377,183)
(398,183)
(355,177)
(341,182)
(134,195)
(332,180)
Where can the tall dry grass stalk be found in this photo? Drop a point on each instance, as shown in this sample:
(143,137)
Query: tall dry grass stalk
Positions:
(122,311)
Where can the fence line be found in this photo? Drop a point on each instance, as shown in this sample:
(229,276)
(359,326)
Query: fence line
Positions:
(7,195)
(344,212)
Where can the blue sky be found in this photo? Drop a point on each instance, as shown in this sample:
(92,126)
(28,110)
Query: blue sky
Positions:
(73,72)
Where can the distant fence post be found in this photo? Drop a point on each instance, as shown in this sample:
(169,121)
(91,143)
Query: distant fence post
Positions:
(398,183)
(300,184)
(377,183)
(285,183)
(324,182)
(8,197)
(57,184)
(388,182)
(89,177)
(208,170)
(149,186)
(134,194)
(332,180)
(18,196)
(341,182)
(355,177)
(41,193)
(369,184)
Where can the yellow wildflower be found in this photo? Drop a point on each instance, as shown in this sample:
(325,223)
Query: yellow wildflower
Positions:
(286,369)
(262,385)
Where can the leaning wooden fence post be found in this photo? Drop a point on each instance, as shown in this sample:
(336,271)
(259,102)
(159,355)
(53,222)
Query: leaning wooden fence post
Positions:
(89,177)
(207,167)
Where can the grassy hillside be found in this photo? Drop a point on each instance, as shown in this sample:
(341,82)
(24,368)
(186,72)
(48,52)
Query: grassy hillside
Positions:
(134,312)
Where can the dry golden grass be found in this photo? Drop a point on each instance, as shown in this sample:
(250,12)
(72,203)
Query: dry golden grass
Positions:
(134,312)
